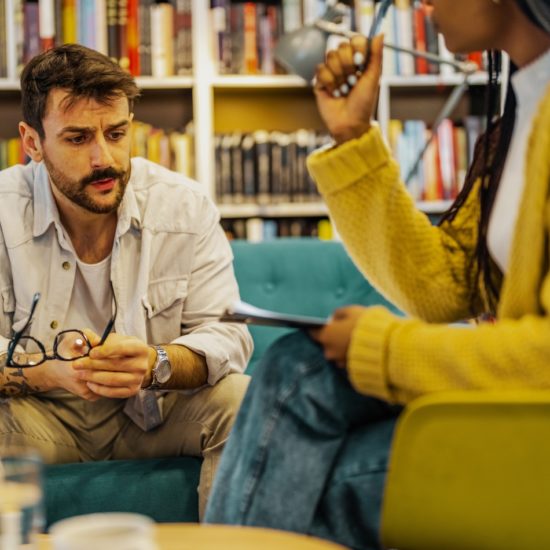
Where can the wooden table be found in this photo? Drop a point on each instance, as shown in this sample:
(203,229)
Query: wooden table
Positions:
(192,536)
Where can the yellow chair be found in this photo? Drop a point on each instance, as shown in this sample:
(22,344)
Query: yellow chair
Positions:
(470,471)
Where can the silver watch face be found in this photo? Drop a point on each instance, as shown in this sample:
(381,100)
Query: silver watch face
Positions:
(163,371)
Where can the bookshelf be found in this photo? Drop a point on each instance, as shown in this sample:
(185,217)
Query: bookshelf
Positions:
(222,103)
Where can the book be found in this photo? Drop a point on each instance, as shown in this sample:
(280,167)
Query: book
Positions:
(100,26)
(364,15)
(221,35)
(122,34)
(403,14)
(292,15)
(87,23)
(162,39)
(250,39)
(31,32)
(144,45)
(183,47)
(46,23)
(419,27)
(236,39)
(70,21)
(112,30)
(132,37)
(254,230)
(3,46)
(242,312)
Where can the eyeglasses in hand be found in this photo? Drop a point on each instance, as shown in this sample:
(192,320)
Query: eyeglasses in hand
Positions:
(68,345)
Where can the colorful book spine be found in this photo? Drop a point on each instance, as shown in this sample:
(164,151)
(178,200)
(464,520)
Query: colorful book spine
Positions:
(162,45)
(133,37)
(250,39)
(46,23)
(122,34)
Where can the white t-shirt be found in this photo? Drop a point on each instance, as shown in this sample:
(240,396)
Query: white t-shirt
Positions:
(91,304)
(530,84)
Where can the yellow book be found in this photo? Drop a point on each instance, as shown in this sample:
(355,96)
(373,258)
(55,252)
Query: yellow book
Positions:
(431,169)
(395,129)
(153,145)
(324,230)
(182,149)
(14,151)
(70,22)
(461,156)
(140,134)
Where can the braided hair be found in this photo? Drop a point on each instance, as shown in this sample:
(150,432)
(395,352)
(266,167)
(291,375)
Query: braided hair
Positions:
(490,155)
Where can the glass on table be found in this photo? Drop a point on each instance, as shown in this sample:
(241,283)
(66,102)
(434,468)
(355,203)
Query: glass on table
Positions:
(21,499)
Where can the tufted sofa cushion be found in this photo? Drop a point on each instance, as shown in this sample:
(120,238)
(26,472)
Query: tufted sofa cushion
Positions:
(302,276)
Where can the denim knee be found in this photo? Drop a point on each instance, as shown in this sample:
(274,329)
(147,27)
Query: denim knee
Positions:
(290,357)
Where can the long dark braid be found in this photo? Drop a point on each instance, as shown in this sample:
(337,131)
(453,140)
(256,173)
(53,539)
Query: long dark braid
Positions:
(488,163)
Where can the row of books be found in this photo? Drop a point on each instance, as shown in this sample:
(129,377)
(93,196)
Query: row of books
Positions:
(154,37)
(264,229)
(265,167)
(146,37)
(439,173)
(408,25)
(245,33)
(173,149)
(11,152)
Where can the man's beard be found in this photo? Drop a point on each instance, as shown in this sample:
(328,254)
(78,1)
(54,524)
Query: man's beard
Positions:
(76,192)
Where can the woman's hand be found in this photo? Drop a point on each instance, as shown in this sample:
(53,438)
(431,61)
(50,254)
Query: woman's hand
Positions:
(335,336)
(346,91)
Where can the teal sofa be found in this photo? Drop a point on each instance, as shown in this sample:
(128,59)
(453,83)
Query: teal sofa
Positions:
(304,276)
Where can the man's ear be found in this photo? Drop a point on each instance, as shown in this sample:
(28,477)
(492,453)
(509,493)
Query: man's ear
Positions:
(31,141)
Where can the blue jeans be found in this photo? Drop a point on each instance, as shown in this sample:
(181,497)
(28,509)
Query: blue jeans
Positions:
(307,452)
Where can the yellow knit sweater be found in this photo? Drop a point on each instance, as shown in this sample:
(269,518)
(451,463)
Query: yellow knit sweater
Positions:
(429,272)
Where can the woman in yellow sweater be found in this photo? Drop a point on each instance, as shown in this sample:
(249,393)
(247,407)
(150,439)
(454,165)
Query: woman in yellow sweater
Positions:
(308,450)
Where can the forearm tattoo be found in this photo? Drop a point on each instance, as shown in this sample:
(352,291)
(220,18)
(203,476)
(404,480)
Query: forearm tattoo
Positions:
(14,383)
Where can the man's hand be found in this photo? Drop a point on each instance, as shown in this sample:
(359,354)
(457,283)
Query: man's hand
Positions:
(61,374)
(335,336)
(117,368)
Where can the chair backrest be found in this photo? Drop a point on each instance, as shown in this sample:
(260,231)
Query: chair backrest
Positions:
(297,275)
(470,471)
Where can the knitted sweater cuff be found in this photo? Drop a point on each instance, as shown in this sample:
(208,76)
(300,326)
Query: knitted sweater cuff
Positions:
(367,355)
(335,168)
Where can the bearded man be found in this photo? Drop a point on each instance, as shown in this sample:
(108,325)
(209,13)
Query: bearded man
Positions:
(112,273)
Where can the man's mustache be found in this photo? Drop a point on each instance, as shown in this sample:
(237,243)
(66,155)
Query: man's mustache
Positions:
(105,173)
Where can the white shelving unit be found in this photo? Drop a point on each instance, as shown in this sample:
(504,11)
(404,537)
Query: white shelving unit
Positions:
(259,82)
(9,84)
(169,83)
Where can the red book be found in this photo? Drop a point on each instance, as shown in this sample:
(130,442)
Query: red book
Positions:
(419,17)
(477,58)
(133,37)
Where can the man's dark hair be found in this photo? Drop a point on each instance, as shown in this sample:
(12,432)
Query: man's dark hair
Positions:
(84,73)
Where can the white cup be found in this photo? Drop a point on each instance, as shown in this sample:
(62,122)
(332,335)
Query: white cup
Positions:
(116,530)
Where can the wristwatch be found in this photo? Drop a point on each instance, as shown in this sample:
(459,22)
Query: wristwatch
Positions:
(162,370)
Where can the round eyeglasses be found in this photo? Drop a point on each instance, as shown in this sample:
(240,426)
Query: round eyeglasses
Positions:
(68,345)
